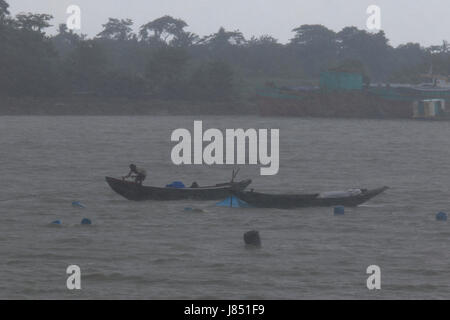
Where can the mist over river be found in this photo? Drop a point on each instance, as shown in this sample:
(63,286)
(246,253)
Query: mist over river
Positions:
(157,250)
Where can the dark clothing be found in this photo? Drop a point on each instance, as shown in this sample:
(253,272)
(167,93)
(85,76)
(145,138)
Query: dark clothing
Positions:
(140,176)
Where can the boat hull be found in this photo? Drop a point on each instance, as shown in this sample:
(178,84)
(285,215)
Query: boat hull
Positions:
(263,200)
(132,191)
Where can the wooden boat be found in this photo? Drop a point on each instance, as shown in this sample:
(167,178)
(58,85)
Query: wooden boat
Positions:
(288,201)
(135,192)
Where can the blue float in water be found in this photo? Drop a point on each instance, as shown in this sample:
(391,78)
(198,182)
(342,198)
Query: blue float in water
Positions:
(441,216)
(339,210)
(188,209)
(176,184)
(78,204)
(233,202)
(86,221)
(57,222)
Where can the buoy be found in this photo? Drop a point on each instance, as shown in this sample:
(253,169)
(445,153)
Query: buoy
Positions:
(77,204)
(188,209)
(252,238)
(57,222)
(339,210)
(441,216)
(86,221)
(233,202)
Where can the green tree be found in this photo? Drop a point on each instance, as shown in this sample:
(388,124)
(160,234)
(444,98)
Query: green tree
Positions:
(223,38)
(228,46)
(265,57)
(28,63)
(313,36)
(116,29)
(3,10)
(66,40)
(316,46)
(165,72)
(33,21)
(184,40)
(371,49)
(213,81)
(121,84)
(86,67)
(264,40)
(163,30)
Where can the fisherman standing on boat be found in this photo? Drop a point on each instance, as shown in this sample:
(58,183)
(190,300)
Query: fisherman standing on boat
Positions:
(140,174)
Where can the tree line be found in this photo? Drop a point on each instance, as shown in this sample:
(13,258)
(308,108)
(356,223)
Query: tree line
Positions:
(165,61)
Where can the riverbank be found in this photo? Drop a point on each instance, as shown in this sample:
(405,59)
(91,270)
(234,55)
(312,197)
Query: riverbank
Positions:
(88,105)
(320,105)
(334,105)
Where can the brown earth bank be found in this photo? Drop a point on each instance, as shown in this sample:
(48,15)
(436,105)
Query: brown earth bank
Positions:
(118,106)
(329,105)
(335,105)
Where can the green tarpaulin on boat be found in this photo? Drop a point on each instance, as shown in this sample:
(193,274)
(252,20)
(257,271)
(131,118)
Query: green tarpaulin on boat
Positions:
(233,202)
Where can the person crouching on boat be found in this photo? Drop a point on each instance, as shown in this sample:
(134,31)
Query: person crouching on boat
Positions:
(140,174)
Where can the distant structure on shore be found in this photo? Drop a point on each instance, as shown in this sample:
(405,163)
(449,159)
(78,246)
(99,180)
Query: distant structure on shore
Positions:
(335,80)
(347,94)
(430,109)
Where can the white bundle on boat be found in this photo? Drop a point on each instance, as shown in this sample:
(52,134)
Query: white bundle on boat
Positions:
(340,194)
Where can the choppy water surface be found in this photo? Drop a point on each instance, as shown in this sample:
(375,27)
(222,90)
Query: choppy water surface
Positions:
(156,250)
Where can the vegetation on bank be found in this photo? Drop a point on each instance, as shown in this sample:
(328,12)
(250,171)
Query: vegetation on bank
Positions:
(166,62)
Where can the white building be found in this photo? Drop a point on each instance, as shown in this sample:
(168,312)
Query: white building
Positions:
(429,108)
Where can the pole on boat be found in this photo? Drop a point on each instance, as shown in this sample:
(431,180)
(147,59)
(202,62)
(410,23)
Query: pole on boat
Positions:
(233,175)
(231,196)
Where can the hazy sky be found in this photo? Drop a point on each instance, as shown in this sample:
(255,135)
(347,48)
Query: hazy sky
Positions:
(424,21)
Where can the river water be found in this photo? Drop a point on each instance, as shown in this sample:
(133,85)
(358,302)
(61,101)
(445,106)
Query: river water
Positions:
(157,250)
